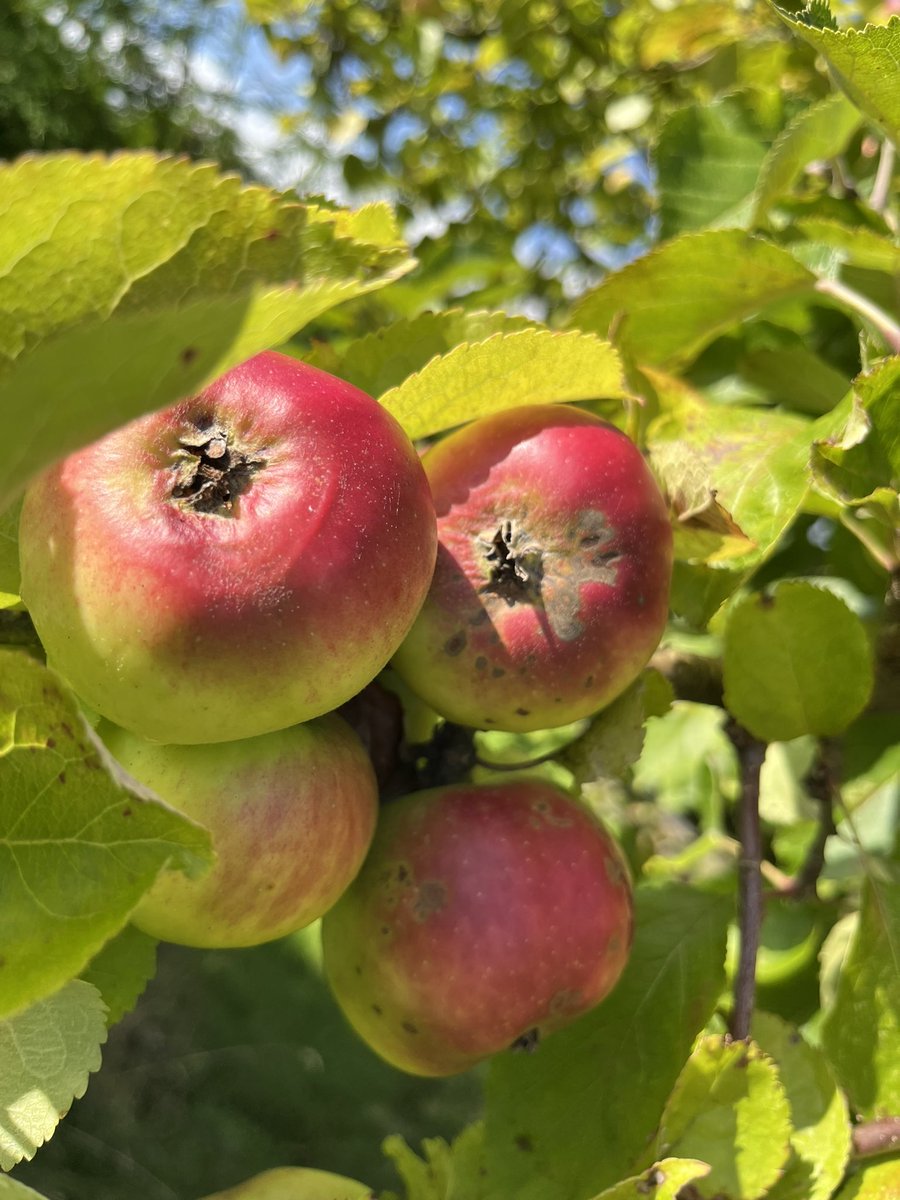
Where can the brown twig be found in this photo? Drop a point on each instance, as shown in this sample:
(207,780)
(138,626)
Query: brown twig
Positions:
(751,753)
(876,1137)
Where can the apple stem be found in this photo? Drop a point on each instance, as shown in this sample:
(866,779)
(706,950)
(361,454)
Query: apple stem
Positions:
(751,753)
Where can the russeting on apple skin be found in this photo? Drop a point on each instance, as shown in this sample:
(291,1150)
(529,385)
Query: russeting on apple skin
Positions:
(291,815)
(241,562)
(484,917)
(552,580)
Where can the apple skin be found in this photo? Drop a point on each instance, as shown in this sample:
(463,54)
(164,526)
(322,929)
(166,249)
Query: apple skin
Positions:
(297,1183)
(211,617)
(483,914)
(291,815)
(554,562)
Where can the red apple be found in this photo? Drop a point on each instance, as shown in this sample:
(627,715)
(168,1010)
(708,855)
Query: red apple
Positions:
(484,915)
(552,580)
(236,564)
(291,815)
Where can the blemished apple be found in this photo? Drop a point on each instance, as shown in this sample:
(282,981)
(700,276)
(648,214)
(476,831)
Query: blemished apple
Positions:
(236,564)
(291,814)
(554,563)
(484,917)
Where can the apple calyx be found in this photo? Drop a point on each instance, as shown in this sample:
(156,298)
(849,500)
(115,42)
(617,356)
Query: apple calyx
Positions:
(516,565)
(211,470)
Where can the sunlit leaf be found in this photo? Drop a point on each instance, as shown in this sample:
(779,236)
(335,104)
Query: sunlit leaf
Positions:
(47,1052)
(79,843)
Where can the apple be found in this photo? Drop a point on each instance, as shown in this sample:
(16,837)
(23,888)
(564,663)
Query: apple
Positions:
(291,814)
(236,564)
(484,916)
(297,1183)
(554,562)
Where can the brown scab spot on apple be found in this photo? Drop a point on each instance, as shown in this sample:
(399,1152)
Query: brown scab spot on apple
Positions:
(615,872)
(589,682)
(480,663)
(377,1010)
(545,812)
(408,1027)
(523,712)
(563,1002)
(456,644)
(431,898)
(524,1142)
(497,673)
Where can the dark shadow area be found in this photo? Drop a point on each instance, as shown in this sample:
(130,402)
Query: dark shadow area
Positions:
(232,1063)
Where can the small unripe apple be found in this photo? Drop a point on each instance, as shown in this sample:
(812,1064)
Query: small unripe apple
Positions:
(484,916)
(297,1183)
(291,815)
(241,562)
(552,580)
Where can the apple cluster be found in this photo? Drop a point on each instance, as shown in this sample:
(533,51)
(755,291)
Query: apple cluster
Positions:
(216,579)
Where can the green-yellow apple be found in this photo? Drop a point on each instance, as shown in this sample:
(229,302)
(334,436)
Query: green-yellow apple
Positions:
(552,580)
(243,561)
(297,1183)
(291,815)
(484,916)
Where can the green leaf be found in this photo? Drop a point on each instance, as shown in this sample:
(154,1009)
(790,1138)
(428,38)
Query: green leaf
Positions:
(863,63)
(79,844)
(668,305)
(820,131)
(382,360)
(47,1053)
(9,556)
(796,660)
(690,32)
(875,1181)
(857,245)
(128,282)
(707,166)
(447,1172)
(612,743)
(821,1140)
(11,1189)
(856,455)
(688,763)
(750,462)
(663,1181)
(729,1109)
(870,758)
(296,1183)
(551,1131)
(506,370)
(861,1031)
(121,971)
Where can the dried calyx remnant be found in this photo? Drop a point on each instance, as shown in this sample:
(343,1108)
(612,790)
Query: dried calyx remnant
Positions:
(210,470)
(516,565)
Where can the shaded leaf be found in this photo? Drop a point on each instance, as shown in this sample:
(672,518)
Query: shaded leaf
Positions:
(707,166)
(550,1130)
(79,843)
(796,661)
(861,1031)
(857,245)
(130,281)
(506,370)
(820,131)
(454,1171)
(122,970)
(729,1107)
(47,1053)
(665,307)
(612,743)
